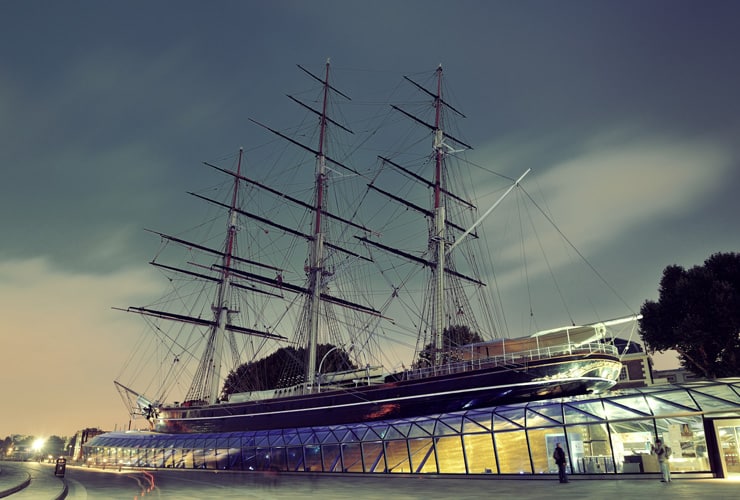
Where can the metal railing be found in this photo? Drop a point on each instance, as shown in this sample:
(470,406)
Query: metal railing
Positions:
(518,359)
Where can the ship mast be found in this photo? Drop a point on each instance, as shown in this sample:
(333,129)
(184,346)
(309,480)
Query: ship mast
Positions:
(208,375)
(317,246)
(315,289)
(438,237)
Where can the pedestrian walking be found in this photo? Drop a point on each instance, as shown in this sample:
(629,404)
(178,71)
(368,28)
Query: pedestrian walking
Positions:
(663,453)
(559,456)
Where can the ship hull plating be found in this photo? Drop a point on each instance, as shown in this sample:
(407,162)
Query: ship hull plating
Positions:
(562,376)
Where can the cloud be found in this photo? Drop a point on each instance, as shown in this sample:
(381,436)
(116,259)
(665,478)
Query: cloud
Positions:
(614,185)
(55,323)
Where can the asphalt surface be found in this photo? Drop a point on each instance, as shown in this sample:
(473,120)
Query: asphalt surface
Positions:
(80,483)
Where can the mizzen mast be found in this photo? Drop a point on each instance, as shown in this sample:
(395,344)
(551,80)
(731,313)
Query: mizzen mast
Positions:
(438,238)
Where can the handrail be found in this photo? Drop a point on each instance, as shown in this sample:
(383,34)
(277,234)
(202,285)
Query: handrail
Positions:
(514,358)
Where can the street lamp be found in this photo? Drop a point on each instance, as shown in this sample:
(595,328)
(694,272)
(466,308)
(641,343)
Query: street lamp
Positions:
(37,446)
(318,373)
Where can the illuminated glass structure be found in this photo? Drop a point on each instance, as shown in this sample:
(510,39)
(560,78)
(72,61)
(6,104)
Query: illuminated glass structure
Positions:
(607,434)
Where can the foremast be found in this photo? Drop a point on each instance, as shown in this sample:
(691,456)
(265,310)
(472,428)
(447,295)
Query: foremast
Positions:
(207,380)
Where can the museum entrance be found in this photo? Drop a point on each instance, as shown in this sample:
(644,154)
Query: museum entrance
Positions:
(728,440)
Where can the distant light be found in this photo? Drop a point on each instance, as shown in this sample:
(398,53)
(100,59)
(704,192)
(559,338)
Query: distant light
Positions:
(38,444)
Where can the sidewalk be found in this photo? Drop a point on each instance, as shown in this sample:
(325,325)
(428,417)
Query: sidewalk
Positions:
(178,484)
(25,480)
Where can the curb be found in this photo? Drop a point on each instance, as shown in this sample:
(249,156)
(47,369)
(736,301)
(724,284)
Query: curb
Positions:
(17,488)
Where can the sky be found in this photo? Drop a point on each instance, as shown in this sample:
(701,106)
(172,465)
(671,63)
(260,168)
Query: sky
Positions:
(107,109)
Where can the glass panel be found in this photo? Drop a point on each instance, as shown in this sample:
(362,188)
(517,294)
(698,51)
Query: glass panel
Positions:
(279,459)
(631,443)
(550,410)
(235,459)
(535,419)
(169,459)
(450,455)
(291,438)
(275,438)
(352,457)
(636,404)
(728,434)
(360,432)
(249,458)
(508,419)
(262,459)
(397,456)
(402,428)
(373,456)
(442,429)
(381,430)
(199,459)
(511,449)
(417,431)
(454,422)
(708,403)
(331,458)
(583,411)
(668,402)
(393,433)
(721,391)
(351,436)
(422,452)
(589,449)
(479,453)
(542,445)
(372,433)
(475,421)
(616,410)
(312,456)
(324,436)
(294,455)
(685,437)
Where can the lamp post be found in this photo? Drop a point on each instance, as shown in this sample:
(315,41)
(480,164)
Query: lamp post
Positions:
(318,373)
(323,358)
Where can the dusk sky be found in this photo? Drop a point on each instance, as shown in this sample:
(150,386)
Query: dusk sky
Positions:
(107,110)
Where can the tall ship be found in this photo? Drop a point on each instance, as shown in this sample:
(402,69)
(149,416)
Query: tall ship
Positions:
(323,271)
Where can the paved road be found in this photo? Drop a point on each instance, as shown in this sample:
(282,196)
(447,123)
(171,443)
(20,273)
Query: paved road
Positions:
(91,484)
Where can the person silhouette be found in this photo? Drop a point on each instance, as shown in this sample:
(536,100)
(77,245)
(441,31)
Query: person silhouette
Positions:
(559,456)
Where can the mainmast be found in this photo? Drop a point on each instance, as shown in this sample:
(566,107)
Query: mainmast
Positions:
(317,247)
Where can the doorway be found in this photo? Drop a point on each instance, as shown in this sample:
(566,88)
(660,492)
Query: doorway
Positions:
(728,441)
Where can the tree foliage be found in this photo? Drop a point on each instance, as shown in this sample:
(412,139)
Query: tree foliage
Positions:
(698,315)
(270,372)
(453,336)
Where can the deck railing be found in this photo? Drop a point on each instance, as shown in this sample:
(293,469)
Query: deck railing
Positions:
(518,359)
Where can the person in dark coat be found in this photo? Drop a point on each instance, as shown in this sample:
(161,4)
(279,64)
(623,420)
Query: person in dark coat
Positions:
(559,456)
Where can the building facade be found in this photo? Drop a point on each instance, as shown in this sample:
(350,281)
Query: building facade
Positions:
(605,434)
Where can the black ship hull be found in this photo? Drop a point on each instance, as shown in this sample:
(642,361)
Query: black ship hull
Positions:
(483,387)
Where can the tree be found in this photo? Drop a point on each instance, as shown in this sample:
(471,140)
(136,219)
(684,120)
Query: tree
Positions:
(453,336)
(698,315)
(55,446)
(269,372)
(5,445)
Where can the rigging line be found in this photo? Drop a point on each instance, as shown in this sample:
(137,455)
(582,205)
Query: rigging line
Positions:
(525,266)
(550,270)
(485,169)
(593,269)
